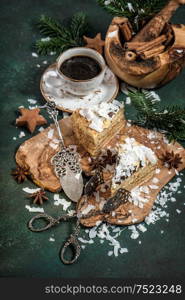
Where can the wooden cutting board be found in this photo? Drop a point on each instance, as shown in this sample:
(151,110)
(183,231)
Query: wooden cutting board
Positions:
(36,154)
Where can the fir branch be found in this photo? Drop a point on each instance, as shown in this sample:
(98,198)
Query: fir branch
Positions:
(136,10)
(170,120)
(52,45)
(79,26)
(60,37)
(50,27)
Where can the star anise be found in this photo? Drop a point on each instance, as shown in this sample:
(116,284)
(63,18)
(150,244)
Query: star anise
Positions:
(171,159)
(106,159)
(39,197)
(20,174)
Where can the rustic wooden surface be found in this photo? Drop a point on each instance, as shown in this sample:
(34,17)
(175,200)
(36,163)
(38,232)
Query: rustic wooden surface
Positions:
(36,154)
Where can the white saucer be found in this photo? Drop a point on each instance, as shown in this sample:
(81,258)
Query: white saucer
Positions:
(51,89)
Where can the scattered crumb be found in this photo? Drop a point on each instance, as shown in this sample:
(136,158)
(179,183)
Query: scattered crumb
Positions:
(46,39)
(32,101)
(134,220)
(51,239)
(128,100)
(54,146)
(153,187)
(82,240)
(61,201)
(34,209)
(50,133)
(173,199)
(21,134)
(141,227)
(123,250)
(155,180)
(34,54)
(71,212)
(41,129)
(32,107)
(135,233)
(65,114)
(178,211)
(30,191)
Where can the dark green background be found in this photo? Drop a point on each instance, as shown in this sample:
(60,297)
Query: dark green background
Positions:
(27,254)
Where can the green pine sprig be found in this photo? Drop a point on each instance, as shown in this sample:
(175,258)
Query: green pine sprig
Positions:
(59,37)
(136,10)
(170,120)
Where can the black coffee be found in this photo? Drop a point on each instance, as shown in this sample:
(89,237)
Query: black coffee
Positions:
(80,67)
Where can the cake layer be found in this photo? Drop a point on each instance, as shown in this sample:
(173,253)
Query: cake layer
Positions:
(136,163)
(94,146)
(95,127)
(139,177)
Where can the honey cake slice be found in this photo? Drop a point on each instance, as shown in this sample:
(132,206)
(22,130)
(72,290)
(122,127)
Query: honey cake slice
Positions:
(96,126)
(135,165)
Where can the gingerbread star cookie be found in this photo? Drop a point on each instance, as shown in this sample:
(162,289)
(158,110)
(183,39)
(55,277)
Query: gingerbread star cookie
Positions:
(30,118)
(96,43)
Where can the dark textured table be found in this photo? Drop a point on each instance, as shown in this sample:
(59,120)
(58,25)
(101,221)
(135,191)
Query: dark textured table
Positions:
(27,254)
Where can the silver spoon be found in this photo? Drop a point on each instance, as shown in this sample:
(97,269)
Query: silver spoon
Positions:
(66,162)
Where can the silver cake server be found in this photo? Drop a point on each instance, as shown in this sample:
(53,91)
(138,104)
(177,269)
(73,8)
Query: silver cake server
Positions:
(66,162)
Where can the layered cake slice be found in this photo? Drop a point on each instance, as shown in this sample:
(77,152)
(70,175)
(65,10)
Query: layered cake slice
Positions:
(95,127)
(135,165)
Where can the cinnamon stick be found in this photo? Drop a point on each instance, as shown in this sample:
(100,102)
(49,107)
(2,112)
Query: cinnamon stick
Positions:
(127,31)
(154,27)
(143,46)
(150,53)
(169,37)
(125,27)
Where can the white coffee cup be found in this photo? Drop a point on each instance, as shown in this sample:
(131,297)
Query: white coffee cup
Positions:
(80,87)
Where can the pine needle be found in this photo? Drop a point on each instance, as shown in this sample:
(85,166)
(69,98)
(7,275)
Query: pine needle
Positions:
(136,10)
(60,37)
(170,120)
